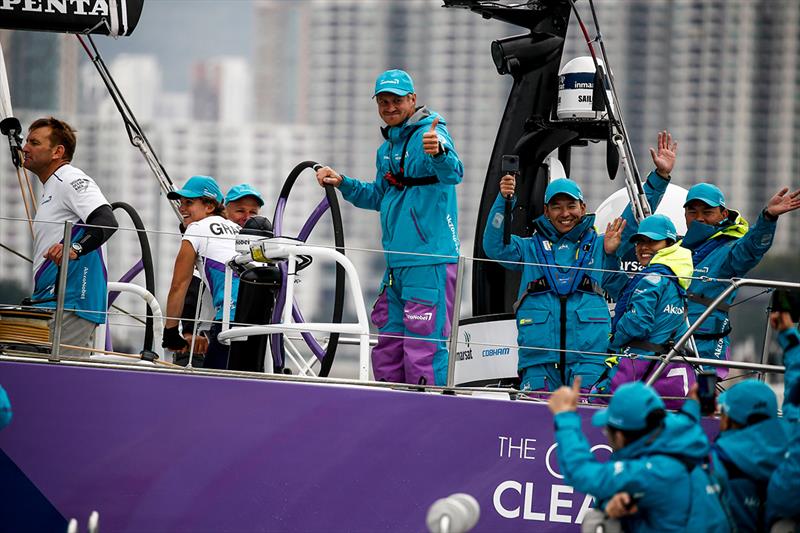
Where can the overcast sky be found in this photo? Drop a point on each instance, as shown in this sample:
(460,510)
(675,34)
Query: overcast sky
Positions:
(180,32)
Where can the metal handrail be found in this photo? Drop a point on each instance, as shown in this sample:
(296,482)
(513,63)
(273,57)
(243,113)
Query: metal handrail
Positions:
(282,248)
(735,284)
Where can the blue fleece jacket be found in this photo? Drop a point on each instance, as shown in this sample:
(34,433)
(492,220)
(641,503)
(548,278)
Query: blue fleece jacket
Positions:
(783,492)
(660,483)
(743,461)
(655,311)
(735,249)
(421,219)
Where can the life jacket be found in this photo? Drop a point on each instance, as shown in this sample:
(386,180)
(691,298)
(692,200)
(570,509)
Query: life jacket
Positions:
(556,279)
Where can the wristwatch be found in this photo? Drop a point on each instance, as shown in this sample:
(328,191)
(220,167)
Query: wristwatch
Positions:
(77,248)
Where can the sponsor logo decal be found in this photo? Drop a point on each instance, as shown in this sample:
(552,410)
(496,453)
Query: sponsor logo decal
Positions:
(673,309)
(423,316)
(222,229)
(62,7)
(80,184)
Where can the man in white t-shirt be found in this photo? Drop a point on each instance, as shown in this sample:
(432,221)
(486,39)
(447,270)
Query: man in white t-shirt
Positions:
(68,195)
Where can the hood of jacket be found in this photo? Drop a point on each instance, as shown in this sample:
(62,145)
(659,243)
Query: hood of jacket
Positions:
(421,117)
(677,259)
(549,232)
(698,232)
(679,436)
(756,450)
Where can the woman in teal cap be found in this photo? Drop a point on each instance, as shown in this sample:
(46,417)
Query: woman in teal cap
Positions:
(651,311)
(208,243)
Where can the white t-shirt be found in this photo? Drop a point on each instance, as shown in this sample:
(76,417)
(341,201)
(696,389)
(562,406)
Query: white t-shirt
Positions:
(68,195)
(214,241)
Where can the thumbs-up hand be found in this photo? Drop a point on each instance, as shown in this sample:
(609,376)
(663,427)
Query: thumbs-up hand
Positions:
(430,140)
(565,398)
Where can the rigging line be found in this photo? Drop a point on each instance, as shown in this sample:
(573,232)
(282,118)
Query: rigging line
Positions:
(765,291)
(616,122)
(613,85)
(30,190)
(704,279)
(599,39)
(3,246)
(134,130)
(25,201)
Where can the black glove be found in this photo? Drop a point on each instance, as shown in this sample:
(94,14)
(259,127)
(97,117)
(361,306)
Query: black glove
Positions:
(172,339)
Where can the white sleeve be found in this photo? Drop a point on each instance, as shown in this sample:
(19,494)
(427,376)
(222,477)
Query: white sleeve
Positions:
(194,236)
(82,196)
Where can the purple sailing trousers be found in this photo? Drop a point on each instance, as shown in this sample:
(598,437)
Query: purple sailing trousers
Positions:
(413,314)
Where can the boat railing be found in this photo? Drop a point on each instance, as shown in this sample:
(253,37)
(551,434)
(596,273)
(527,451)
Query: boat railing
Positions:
(681,342)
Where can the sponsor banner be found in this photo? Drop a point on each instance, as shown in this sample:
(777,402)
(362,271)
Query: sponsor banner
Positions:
(487,350)
(272,455)
(102,17)
(158,451)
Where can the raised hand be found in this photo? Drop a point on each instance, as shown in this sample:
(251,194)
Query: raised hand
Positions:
(783,203)
(780,320)
(507,185)
(565,398)
(328,176)
(664,157)
(430,140)
(613,236)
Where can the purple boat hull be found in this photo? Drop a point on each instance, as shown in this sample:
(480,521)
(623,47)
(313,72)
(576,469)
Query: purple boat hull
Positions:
(158,451)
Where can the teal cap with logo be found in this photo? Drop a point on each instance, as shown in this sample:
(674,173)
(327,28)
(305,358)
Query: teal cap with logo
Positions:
(238,192)
(629,407)
(394,81)
(562,186)
(198,187)
(657,228)
(748,398)
(707,193)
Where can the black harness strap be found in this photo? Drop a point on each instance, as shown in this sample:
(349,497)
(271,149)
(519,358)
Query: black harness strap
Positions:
(702,300)
(542,285)
(651,346)
(400,180)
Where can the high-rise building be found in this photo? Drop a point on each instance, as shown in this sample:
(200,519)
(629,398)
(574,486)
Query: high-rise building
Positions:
(221,90)
(42,70)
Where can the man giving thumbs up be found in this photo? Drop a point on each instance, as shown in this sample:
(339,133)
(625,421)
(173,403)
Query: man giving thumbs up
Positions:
(414,190)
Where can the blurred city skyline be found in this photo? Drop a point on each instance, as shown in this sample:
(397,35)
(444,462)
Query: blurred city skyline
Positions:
(243,90)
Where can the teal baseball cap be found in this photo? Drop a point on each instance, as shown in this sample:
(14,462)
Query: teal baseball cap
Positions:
(562,186)
(657,228)
(629,407)
(394,81)
(707,193)
(748,398)
(240,191)
(198,187)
